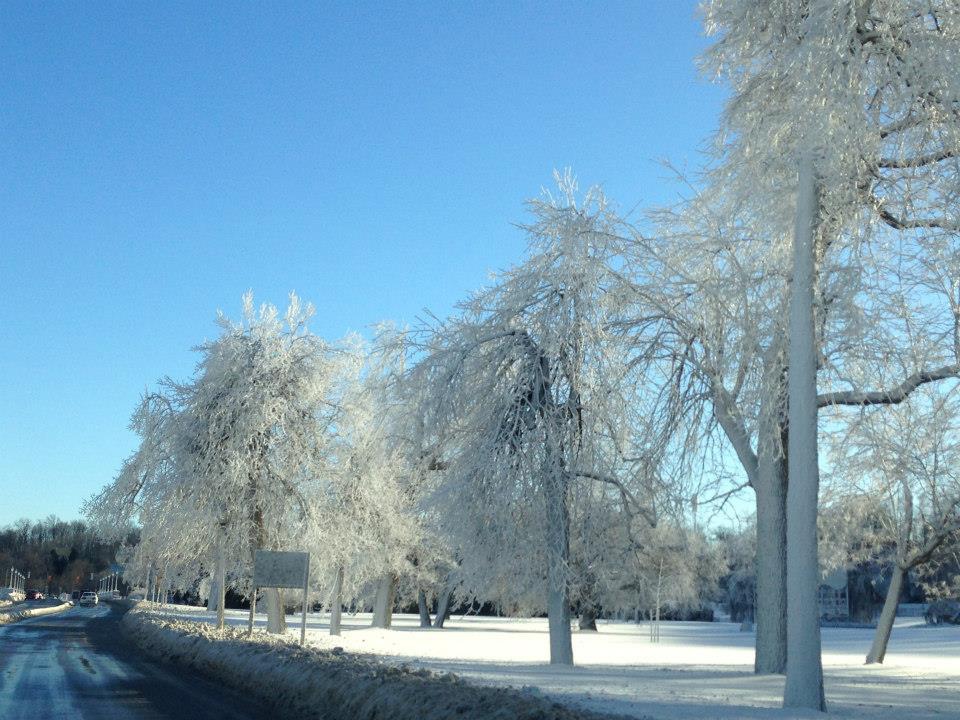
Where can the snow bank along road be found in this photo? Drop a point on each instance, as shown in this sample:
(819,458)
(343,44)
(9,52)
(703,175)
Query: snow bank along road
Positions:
(78,664)
(20,611)
(699,671)
(330,685)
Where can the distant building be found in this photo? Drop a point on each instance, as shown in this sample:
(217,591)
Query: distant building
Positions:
(833,597)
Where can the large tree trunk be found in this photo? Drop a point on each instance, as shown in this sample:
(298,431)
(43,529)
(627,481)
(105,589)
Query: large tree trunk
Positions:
(589,606)
(804,686)
(558,554)
(217,590)
(443,607)
(276,614)
(766,471)
(336,602)
(214,590)
(213,593)
(889,613)
(588,619)
(221,584)
(221,592)
(770,607)
(383,603)
(423,608)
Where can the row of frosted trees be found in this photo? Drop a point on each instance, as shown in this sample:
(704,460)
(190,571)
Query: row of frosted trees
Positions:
(550,445)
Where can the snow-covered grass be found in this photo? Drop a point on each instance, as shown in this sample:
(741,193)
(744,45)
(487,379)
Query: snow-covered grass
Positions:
(329,684)
(697,670)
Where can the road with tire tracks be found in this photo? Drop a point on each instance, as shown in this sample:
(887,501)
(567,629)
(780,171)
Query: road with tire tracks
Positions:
(78,664)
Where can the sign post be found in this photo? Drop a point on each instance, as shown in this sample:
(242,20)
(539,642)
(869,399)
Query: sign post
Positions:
(280,570)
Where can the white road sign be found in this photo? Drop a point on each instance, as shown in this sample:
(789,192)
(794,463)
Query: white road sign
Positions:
(280,569)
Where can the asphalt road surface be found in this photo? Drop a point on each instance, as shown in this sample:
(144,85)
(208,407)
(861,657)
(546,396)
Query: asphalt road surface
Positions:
(79,664)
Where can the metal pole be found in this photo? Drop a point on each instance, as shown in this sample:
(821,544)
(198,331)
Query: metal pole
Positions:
(303,625)
(253,609)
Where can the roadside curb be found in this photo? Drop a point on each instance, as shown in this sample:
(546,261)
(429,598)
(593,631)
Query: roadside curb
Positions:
(7,618)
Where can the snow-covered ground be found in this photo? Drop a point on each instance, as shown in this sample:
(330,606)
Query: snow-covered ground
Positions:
(697,670)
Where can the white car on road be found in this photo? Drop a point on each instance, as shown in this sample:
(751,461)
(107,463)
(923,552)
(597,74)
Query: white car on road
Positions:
(89,598)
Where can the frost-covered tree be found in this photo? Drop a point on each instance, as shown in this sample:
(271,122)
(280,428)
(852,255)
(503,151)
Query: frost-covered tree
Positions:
(842,119)
(708,307)
(370,527)
(902,462)
(526,383)
(231,461)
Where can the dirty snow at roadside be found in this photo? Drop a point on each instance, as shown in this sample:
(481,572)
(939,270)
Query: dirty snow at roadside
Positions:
(697,670)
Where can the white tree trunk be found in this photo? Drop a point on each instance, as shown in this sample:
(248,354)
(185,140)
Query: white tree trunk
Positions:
(770,608)
(588,619)
(558,554)
(443,607)
(215,601)
(276,616)
(383,603)
(804,686)
(423,608)
(221,584)
(766,471)
(889,613)
(214,593)
(336,602)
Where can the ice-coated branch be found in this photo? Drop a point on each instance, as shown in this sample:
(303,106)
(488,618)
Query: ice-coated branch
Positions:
(630,500)
(904,223)
(891,396)
(919,160)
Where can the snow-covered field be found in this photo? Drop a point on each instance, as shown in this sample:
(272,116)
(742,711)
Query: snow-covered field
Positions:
(697,670)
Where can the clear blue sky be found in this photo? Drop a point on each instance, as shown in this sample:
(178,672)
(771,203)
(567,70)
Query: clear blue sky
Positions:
(159,159)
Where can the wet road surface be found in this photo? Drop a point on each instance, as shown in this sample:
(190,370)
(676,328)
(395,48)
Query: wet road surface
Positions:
(79,664)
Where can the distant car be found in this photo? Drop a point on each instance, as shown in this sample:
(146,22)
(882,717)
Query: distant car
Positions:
(943,611)
(75,595)
(89,598)
(34,595)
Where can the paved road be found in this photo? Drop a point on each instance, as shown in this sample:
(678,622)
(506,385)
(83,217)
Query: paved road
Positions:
(79,664)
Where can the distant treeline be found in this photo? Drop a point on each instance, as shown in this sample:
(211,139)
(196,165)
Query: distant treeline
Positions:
(59,555)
